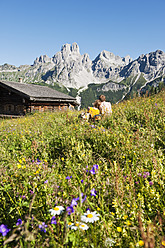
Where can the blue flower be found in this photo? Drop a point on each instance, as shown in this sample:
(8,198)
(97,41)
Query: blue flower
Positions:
(74,202)
(42,227)
(95,166)
(84,198)
(92,171)
(70,210)
(68,177)
(19,222)
(93,192)
(82,181)
(53,220)
(4,230)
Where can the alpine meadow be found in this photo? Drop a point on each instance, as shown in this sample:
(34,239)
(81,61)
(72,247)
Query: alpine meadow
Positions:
(68,183)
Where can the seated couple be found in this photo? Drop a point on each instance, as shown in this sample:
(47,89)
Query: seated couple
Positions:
(100,107)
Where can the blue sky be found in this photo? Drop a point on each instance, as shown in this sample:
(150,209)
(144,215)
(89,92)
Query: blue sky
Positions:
(30,28)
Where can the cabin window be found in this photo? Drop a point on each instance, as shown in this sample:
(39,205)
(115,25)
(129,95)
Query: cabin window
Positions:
(8,108)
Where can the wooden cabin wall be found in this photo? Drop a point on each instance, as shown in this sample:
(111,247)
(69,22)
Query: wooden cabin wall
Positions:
(48,107)
(11,103)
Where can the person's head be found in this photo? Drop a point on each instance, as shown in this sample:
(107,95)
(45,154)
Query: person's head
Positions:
(97,104)
(102,98)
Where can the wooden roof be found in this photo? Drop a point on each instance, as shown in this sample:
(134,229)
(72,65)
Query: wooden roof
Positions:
(36,92)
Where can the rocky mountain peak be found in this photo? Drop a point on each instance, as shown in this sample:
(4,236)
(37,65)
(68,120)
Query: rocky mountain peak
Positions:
(42,59)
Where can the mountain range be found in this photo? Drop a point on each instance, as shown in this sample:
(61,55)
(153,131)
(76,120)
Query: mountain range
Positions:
(70,72)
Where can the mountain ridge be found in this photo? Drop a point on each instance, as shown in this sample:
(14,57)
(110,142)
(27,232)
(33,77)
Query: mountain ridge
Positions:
(70,71)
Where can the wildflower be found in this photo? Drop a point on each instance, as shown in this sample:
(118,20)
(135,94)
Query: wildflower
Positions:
(68,177)
(83,226)
(95,166)
(163,242)
(75,227)
(82,181)
(70,224)
(74,202)
(43,227)
(90,217)
(139,174)
(93,192)
(125,217)
(92,171)
(53,220)
(109,242)
(70,210)
(84,198)
(4,229)
(128,223)
(151,183)
(119,229)
(46,181)
(19,222)
(141,242)
(57,210)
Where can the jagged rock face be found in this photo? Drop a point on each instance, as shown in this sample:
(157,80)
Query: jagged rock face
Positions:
(107,65)
(113,87)
(71,69)
(151,65)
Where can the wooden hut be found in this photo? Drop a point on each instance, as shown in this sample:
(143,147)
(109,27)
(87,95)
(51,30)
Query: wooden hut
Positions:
(18,98)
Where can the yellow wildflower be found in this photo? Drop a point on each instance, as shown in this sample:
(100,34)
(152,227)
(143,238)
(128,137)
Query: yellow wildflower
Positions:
(119,229)
(163,242)
(141,242)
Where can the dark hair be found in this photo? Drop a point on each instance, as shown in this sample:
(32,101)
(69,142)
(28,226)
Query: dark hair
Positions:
(102,98)
(97,104)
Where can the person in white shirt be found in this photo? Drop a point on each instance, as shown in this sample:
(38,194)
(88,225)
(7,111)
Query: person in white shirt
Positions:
(105,107)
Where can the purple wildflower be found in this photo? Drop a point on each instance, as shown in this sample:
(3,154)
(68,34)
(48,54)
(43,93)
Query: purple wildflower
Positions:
(92,171)
(70,210)
(74,202)
(43,227)
(53,220)
(137,182)
(82,181)
(19,222)
(93,192)
(68,177)
(95,166)
(84,198)
(46,181)
(139,174)
(151,183)
(4,230)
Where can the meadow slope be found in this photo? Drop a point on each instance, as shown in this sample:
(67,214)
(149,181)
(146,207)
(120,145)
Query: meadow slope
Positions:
(65,183)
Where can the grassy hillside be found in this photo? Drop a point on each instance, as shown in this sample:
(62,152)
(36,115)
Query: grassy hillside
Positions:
(65,183)
(93,92)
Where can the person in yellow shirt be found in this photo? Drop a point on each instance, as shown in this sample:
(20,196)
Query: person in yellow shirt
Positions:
(95,110)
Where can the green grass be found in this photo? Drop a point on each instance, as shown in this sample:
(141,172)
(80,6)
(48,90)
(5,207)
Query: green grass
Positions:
(121,159)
